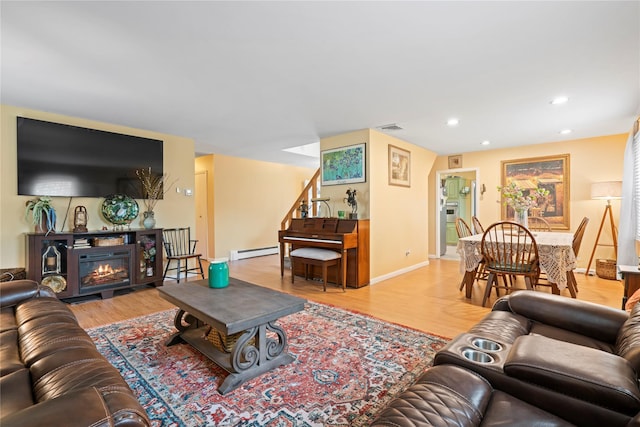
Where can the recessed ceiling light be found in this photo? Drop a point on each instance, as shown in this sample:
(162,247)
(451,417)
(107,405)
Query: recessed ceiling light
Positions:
(565,131)
(485,142)
(559,100)
(453,122)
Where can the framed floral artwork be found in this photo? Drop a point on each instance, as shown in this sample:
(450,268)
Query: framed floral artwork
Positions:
(344,165)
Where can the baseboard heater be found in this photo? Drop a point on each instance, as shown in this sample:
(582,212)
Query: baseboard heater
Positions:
(251,253)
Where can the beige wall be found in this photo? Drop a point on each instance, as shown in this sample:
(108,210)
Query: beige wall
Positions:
(175,210)
(250,199)
(338,193)
(398,215)
(591,160)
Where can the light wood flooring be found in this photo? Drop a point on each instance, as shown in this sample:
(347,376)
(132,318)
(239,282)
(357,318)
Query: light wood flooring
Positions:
(427,298)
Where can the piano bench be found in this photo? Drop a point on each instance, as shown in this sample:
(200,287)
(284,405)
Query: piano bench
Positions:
(316,256)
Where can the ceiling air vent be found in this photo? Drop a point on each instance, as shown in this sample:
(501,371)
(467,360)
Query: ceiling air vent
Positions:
(390,127)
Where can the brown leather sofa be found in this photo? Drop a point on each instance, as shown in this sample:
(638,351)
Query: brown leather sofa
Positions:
(569,359)
(449,395)
(51,373)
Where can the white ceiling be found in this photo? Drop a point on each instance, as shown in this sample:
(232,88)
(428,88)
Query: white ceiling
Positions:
(249,79)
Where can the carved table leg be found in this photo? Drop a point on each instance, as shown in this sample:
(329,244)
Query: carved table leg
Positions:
(182,322)
(249,361)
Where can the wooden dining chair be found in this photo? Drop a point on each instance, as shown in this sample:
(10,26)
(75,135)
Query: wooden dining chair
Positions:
(509,250)
(577,242)
(538,223)
(577,236)
(463,230)
(180,248)
(477,226)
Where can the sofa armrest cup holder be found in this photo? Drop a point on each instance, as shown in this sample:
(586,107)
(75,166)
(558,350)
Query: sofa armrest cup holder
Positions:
(486,345)
(477,356)
(473,350)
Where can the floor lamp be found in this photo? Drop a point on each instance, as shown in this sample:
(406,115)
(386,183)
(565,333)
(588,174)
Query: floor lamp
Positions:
(608,191)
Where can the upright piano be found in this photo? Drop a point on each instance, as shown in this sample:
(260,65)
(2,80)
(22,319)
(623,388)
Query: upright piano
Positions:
(350,237)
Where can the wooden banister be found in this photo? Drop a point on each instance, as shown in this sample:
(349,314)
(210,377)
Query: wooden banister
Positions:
(309,192)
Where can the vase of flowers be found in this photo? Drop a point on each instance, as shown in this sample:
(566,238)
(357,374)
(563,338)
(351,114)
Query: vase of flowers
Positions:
(521,200)
(522,217)
(153,189)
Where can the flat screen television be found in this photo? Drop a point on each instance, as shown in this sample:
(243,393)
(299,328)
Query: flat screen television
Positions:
(63,160)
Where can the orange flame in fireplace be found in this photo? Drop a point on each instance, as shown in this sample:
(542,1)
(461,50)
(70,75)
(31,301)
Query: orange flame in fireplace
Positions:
(105,270)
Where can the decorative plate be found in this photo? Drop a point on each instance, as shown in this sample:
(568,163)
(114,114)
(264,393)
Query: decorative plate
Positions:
(57,283)
(119,209)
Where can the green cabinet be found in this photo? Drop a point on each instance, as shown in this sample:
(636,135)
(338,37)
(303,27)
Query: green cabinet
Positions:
(452,234)
(453,188)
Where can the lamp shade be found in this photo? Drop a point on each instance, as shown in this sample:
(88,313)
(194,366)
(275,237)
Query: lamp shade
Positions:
(606,190)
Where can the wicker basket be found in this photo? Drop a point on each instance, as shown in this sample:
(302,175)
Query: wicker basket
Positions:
(108,241)
(606,269)
(225,342)
(8,274)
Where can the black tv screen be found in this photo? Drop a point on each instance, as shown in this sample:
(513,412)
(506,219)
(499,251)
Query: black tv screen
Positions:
(62,160)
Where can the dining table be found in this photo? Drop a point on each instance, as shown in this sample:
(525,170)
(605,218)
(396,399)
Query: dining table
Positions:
(555,253)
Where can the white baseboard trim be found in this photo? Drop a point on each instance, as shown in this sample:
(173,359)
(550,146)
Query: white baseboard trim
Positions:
(251,253)
(375,280)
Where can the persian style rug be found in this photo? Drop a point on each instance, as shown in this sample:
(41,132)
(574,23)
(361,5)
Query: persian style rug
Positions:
(347,367)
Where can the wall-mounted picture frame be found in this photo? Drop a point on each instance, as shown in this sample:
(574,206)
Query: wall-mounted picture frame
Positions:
(549,172)
(455,161)
(399,166)
(344,165)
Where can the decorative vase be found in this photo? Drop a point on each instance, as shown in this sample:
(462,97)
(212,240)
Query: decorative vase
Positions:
(218,273)
(47,223)
(149,268)
(149,221)
(522,217)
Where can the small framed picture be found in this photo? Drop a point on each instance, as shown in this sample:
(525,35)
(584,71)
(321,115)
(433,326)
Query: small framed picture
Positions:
(399,166)
(455,161)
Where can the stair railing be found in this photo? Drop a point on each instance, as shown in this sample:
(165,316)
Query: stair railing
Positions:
(309,192)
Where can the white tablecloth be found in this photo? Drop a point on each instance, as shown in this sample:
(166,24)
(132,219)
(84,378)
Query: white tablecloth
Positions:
(554,249)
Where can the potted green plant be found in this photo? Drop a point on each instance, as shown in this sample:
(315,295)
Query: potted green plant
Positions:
(43,214)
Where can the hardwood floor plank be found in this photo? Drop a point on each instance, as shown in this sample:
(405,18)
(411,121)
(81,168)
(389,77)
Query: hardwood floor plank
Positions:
(426,299)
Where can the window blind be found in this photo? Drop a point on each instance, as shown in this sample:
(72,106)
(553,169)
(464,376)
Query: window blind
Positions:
(636,180)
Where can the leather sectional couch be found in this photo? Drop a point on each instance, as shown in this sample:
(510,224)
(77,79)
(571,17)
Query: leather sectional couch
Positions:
(535,359)
(51,373)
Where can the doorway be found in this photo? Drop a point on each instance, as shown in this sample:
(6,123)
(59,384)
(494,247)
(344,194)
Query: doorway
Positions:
(457,196)
(202,213)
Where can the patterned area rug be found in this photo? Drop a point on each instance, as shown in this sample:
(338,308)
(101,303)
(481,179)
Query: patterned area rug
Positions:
(348,366)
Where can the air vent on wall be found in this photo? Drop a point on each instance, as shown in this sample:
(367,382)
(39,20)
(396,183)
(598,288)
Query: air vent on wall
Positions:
(390,127)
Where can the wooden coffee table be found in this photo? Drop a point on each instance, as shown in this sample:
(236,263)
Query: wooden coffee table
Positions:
(239,308)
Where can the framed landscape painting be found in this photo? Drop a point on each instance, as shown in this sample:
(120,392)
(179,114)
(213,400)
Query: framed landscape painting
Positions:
(344,165)
(552,174)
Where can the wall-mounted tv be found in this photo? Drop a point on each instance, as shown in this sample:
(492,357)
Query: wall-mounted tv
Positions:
(62,160)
